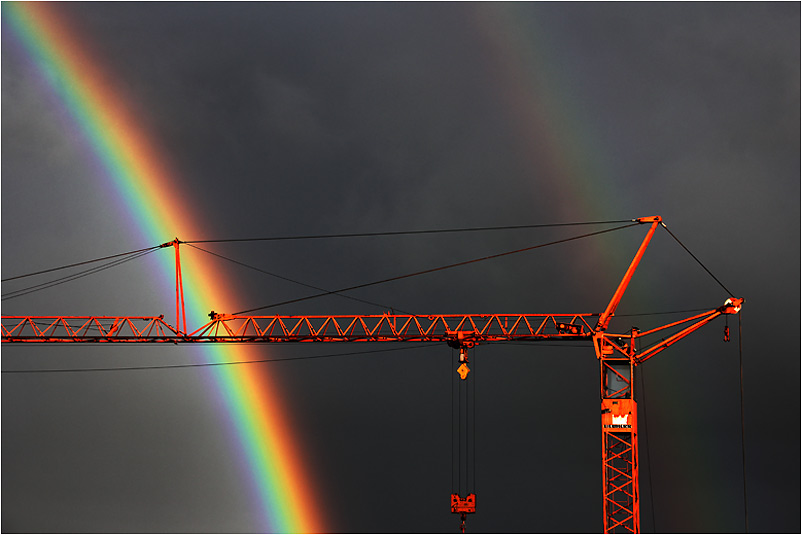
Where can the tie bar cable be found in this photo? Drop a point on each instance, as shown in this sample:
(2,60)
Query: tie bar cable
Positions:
(147,249)
(410,232)
(432,270)
(69,278)
(698,261)
(384,307)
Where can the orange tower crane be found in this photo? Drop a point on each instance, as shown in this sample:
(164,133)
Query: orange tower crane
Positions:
(616,352)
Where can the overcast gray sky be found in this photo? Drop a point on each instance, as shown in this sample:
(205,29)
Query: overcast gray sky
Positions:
(308,118)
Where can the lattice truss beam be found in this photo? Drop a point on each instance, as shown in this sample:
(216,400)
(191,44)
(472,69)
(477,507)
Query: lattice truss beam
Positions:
(620,472)
(467,328)
(87,329)
(463,329)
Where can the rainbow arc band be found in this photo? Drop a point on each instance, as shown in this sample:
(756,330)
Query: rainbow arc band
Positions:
(135,173)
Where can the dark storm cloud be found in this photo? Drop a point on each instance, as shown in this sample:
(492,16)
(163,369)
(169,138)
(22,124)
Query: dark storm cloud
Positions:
(287,119)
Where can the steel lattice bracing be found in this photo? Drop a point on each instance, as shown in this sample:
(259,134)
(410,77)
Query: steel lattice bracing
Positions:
(87,329)
(620,474)
(465,329)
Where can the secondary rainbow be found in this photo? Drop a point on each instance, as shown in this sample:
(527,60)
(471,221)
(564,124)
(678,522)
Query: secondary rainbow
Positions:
(152,196)
(527,59)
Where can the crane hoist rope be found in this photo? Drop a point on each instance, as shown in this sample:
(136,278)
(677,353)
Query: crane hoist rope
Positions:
(439,268)
(463,421)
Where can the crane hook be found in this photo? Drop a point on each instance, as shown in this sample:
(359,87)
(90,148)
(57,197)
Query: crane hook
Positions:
(463,507)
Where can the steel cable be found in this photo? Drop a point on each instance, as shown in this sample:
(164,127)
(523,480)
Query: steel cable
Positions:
(384,307)
(432,270)
(743,427)
(473,423)
(130,255)
(81,263)
(663,313)
(213,364)
(648,454)
(69,278)
(451,378)
(729,293)
(410,232)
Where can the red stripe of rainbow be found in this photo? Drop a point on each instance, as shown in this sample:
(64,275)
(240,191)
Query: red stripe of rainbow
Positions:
(153,197)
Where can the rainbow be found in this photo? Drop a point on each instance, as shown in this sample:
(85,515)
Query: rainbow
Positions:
(556,144)
(155,200)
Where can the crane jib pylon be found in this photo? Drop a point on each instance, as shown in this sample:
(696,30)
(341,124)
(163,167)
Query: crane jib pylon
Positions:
(618,355)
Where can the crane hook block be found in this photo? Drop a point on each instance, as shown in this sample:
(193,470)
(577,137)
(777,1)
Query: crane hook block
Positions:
(463,371)
(463,506)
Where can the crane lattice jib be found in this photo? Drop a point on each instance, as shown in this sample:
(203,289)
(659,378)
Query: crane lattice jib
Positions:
(461,329)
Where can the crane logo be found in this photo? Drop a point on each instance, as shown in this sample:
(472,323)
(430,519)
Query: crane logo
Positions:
(617,413)
(621,420)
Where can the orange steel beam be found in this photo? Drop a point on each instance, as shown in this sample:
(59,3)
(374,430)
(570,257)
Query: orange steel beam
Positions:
(731,306)
(606,316)
(87,329)
(465,329)
(179,290)
(462,330)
